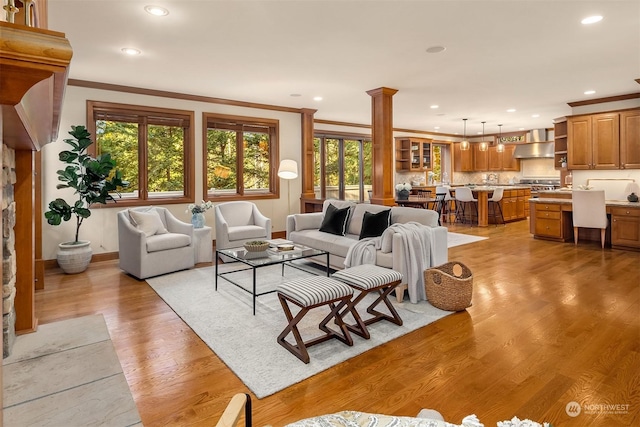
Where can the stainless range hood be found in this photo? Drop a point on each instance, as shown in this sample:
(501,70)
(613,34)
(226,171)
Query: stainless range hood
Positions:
(534,150)
(537,148)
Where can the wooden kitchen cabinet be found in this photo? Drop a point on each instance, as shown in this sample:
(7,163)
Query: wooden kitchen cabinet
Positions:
(509,205)
(625,227)
(503,161)
(630,139)
(480,158)
(462,160)
(604,141)
(413,154)
(579,153)
(548,221)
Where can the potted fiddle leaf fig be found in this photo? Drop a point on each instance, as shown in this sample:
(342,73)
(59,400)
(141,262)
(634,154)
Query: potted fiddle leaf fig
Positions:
(93,180)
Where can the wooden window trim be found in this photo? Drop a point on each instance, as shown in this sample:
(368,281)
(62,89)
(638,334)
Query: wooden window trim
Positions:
(251,124)
(155,116)
(323,135)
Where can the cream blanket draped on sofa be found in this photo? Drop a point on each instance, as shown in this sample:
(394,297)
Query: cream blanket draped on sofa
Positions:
(415,254)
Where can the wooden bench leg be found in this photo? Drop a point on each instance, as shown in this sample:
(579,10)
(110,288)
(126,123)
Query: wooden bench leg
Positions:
(300,348)
(383,291)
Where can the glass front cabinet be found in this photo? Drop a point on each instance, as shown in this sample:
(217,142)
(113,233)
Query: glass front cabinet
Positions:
(413,154)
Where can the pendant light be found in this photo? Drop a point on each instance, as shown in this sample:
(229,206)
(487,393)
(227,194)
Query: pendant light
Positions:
(483,146)
(500,147)
(464,145)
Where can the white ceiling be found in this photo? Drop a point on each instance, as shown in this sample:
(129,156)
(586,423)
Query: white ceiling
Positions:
(534,56)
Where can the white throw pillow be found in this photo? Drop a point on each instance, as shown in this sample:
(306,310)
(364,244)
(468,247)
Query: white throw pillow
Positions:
(148,222)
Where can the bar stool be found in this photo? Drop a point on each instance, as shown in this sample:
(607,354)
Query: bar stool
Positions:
(443,202)
(309,293)
(494,201)
(464,196)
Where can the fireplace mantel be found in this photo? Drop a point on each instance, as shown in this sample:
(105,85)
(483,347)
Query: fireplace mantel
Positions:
(34,65)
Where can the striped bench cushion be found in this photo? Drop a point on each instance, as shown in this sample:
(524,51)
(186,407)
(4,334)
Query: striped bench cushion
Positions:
(314,290)
(367,276)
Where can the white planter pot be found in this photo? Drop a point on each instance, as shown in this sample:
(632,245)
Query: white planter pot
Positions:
(74,257)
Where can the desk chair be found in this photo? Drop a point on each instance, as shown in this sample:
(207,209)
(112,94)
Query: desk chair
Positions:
(589,211)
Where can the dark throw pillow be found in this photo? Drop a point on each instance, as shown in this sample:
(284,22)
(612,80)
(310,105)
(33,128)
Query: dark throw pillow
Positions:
(335,220)
(374,224)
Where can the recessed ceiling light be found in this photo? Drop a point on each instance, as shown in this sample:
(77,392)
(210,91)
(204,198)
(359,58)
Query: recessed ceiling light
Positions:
(295,94)
(535,115)
(520,128)
(511,110)
(435,106)
(131,51)
(156,10)
(591,19)
(589,92)
(436,49)
(317,98)
(436,127)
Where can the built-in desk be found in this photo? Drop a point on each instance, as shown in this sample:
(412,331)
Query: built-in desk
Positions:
(551,219)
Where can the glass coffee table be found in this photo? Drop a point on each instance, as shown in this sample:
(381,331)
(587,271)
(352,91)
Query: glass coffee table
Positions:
(256,260)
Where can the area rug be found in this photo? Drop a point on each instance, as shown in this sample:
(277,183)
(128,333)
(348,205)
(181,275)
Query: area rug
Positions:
(247,344)
(67,374)
(458,239)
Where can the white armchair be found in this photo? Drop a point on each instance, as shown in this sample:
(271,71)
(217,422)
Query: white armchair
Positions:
(240,222)
(152,242)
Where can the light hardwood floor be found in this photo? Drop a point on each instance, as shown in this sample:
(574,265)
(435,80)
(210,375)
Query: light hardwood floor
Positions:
(551,323)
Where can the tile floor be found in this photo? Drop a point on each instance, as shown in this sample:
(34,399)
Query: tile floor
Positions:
(67,373)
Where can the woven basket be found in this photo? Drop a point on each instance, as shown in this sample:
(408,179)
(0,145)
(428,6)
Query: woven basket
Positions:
(256,248)
(446,290)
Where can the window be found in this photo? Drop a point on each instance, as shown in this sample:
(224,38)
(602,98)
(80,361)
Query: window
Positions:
(240,157)
(343,167)
(440,162)
(152,148)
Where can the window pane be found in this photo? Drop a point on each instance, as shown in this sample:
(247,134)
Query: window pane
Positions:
(256,161)
(352,169)
(316,168)
(367,168)
(120,139)
(332,168)
(221,161)
(165,160)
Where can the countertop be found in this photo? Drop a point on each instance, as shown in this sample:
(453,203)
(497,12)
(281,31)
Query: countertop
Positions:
(482,187)
(622,203)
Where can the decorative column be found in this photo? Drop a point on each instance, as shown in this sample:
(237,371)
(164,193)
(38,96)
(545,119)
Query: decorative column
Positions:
(307,166)
(382,132)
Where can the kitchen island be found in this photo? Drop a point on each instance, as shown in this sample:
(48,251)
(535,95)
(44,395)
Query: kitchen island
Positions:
(513,204)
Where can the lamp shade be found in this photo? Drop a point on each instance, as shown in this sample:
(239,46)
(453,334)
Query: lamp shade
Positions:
(632,187)
(288,169)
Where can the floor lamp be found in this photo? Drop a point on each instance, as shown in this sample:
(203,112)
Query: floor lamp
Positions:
(288,170)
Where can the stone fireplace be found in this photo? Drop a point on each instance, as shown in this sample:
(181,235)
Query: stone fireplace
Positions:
(8,249)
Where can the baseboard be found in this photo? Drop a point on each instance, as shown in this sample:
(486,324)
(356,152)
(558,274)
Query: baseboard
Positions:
(105,256)
(109,256)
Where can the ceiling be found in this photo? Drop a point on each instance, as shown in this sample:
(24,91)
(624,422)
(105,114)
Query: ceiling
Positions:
(534,56)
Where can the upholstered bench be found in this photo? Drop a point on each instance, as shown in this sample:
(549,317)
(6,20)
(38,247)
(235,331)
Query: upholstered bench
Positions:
(309,293)
(369,278)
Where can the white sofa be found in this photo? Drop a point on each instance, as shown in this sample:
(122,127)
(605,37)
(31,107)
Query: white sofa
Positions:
(304,229)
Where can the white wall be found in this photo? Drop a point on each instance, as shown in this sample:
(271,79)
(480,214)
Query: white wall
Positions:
(101,228)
